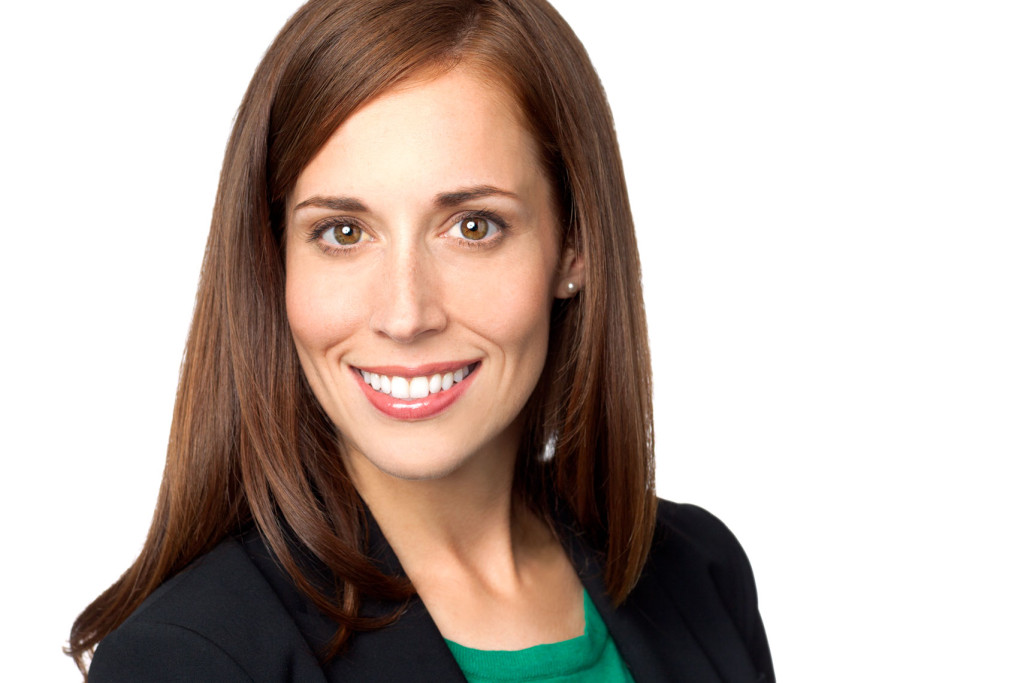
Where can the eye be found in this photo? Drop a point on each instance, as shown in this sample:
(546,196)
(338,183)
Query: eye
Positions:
(342,235)
(475,228)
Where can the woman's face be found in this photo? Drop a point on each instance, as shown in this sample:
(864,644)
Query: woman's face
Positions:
(423,256)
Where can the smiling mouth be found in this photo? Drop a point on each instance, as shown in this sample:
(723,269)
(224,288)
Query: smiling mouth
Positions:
(411,388)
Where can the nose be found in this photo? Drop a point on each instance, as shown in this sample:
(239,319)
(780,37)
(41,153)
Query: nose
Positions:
(410,303)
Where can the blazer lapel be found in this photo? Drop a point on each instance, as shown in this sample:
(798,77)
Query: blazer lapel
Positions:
(653,653)
(411,649)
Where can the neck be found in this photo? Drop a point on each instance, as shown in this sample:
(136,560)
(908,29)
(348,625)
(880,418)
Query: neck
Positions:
(466,523)
(490,572)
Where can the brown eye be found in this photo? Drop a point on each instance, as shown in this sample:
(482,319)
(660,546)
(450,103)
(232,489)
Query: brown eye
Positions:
(475,228)
(343,235)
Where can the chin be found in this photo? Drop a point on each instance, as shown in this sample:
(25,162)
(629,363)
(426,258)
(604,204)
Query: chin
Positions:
(408,465)
(417,471)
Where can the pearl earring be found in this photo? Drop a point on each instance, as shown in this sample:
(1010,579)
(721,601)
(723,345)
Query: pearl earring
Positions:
(571,287)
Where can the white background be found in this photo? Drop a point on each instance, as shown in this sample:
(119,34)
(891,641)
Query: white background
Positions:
(828,197)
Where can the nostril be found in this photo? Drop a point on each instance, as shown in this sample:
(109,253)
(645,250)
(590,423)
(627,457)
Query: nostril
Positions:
(407,312)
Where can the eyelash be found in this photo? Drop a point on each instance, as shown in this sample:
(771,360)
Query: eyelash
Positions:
(486,243)
(318,230)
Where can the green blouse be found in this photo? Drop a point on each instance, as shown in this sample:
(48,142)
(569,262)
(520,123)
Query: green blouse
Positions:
(588,658)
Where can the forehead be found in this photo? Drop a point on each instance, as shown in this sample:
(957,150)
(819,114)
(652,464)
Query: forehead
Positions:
(457,128)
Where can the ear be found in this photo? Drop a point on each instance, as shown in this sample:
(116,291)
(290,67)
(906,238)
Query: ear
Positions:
(570,274)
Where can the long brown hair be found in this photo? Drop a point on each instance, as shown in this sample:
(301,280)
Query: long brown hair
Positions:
(249,443)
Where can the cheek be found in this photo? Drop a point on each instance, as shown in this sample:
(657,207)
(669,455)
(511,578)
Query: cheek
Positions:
(319,313)
(511,308)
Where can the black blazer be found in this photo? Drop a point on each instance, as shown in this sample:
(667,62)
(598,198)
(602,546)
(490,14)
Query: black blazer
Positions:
(233,615)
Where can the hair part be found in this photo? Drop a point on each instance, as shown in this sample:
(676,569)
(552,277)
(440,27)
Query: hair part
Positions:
(249,443)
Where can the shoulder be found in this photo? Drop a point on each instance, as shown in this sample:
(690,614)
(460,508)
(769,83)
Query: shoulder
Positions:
(699,535)
(702,565)
(218,619)
(696,546)
(690,541)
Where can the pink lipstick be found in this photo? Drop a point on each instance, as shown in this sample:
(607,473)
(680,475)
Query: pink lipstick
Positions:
(415,393)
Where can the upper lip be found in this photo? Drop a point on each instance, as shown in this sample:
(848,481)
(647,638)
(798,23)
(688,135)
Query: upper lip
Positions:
(415,371)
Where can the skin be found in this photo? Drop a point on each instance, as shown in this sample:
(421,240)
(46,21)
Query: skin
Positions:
(407,288)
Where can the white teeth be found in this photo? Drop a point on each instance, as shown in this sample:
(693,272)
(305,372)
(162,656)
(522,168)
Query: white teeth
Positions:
(414,387)
(419,387)
(399,387)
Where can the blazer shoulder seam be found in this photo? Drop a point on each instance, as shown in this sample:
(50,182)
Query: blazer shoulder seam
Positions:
(203,637)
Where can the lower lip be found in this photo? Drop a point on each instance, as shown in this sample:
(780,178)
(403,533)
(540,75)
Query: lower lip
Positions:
(416,408)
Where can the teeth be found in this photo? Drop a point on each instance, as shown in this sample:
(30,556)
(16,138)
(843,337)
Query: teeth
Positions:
(414,387)
(419,387)
(399,387)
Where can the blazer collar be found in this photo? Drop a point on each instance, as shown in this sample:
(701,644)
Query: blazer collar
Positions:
(413,649)
(654,642)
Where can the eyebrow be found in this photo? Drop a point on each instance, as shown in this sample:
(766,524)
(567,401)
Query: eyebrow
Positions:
(333,203)
(450,199)
(442,199)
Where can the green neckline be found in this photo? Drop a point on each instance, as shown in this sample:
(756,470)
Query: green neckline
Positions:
(540,661)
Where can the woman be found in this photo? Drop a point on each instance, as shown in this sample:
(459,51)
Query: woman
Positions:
(413,436)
